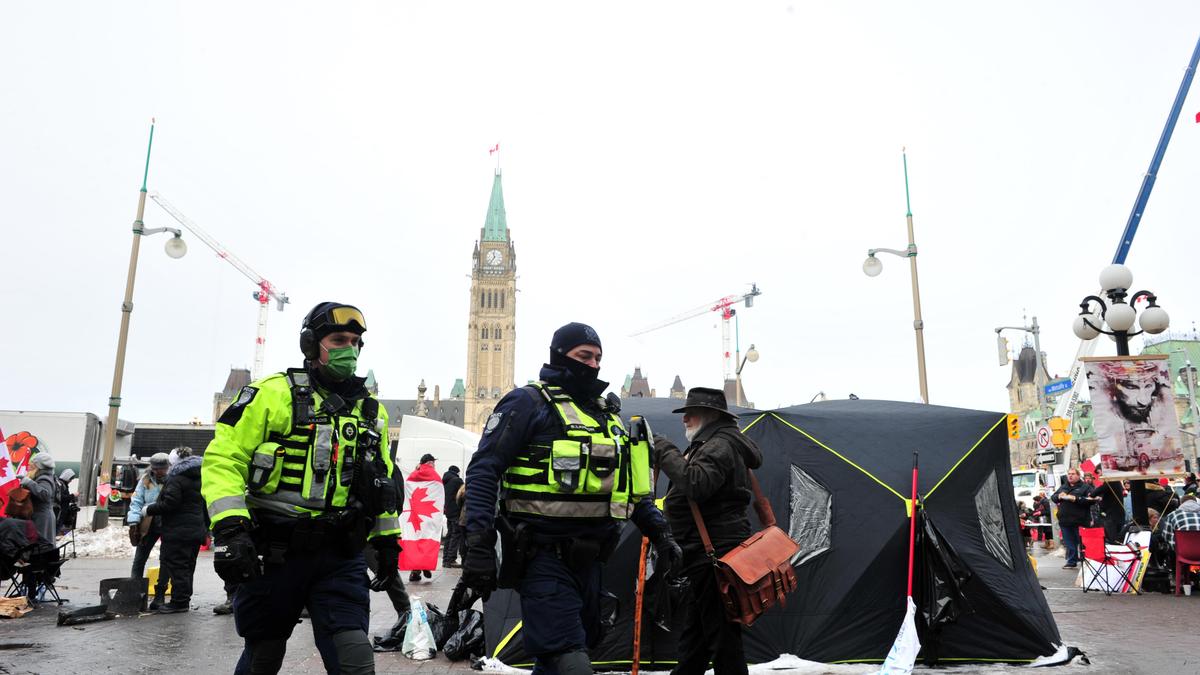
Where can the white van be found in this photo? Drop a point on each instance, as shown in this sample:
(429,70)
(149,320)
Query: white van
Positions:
(1027,483)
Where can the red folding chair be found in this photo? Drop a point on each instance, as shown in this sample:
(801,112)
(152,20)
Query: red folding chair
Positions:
(1187,553)
(1109,568)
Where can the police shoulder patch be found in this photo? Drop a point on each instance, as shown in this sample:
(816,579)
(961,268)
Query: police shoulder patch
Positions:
(233,414)
(493,421)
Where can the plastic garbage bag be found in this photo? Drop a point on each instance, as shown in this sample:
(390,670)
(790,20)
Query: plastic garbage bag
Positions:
(418,644)
(392,640)
(438,625)
(467,641)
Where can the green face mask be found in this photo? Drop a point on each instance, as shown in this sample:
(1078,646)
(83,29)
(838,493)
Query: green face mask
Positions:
(343,361)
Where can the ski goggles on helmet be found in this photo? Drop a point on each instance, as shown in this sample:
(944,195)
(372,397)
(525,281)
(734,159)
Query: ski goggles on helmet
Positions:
(340,316)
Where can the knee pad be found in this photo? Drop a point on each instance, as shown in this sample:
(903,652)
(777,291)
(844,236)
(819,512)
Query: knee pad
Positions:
(355,656)
(266,656)
(572,663)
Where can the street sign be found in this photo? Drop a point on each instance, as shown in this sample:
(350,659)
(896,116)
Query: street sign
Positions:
(1058,386)
(1043,438)
(1046,458)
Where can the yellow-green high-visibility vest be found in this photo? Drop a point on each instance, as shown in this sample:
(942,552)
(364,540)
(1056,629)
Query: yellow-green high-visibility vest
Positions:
(592,471)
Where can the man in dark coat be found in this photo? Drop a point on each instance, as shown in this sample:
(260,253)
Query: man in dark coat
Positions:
(1073,506)
(184,528)
(456,543)
(1111,498)
(712,471)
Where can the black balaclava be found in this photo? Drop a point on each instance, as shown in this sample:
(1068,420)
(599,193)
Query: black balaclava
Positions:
(581,379)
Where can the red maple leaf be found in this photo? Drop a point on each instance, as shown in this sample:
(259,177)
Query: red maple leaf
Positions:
(3,465)
(419,506)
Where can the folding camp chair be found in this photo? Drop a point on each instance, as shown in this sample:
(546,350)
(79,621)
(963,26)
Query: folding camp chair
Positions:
(1187,553)
(33,577)
(1111,568)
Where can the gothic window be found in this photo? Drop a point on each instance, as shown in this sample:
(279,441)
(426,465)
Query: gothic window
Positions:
(496,348)
(482,392)
(483,333)
(483,348)
(495,392)
(502,294)
(496,333)
(481,299)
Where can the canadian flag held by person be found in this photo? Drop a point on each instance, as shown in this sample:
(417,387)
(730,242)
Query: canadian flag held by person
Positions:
(422,519)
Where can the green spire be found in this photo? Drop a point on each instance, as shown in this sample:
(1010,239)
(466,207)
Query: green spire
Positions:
(907,203)
(495,228)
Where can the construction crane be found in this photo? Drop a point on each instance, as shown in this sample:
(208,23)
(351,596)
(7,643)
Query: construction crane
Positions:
(723,305)
(266,290)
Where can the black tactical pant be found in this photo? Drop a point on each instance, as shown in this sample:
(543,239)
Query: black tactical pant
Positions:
(456,543)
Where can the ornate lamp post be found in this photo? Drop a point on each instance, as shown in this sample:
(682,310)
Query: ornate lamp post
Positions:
(1116,318)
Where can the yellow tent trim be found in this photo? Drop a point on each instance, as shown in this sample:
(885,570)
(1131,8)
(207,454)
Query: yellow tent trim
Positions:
(843,458)
(503,643)
(756,419)
(964,457)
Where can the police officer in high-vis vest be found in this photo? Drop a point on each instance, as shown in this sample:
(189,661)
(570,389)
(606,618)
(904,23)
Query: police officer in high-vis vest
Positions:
(567,474)
(298,479)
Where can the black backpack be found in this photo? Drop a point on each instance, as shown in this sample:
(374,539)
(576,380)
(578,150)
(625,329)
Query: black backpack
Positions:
(66,507)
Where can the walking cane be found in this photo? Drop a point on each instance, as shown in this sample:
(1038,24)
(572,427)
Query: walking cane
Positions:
(640,427)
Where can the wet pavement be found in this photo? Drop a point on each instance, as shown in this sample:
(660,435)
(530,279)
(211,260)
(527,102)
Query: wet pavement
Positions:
(1152,633)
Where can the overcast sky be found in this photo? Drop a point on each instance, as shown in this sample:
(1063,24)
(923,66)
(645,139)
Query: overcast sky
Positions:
(656,156)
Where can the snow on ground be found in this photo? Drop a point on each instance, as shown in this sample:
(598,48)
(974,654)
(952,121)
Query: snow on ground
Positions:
(111,542)
(794,665)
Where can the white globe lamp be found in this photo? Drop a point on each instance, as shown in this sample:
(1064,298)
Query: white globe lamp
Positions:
(1116,277)
(1120,317)
(1154,320)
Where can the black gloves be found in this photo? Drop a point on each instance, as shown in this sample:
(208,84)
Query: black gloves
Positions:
(661,444)
(135,534)
(234,557)
(387,550)
(479,565)
(667,551)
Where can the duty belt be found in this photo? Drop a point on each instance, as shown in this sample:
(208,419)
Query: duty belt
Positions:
(276,538)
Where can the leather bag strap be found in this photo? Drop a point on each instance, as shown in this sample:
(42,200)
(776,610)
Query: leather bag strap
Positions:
(761,506)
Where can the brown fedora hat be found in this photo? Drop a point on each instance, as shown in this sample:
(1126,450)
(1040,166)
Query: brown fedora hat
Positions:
(704,397)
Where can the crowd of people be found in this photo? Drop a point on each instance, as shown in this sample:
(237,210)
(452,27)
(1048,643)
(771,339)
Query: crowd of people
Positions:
(1085,500)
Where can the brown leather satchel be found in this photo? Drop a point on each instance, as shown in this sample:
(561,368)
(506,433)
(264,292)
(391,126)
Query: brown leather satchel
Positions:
(758,572)
(19,504)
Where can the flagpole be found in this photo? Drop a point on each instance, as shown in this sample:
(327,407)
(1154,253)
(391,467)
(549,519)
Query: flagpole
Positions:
(912,524)
(641,428)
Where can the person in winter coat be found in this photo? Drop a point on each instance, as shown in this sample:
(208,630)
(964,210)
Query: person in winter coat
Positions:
(456,543)
(1111,498)
(184,529)
(1040,514)
(144,532)
(1073,505)
(712,472)
(43,493)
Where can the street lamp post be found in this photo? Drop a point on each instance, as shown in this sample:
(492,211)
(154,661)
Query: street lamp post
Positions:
(175,248)
(1119,316)
(872,267)
(751,356)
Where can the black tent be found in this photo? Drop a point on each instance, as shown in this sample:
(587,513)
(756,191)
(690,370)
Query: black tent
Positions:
(838,475)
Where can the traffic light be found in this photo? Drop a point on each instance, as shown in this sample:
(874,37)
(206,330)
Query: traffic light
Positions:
(1059,437)
(1014,426)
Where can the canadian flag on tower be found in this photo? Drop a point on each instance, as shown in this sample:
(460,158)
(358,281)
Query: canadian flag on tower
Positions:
(422,519)
(495,148)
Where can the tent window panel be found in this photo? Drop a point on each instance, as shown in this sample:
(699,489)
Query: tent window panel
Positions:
(811,516)
(991,520)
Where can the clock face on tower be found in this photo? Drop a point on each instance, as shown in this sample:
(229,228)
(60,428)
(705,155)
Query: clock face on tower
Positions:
(494,257)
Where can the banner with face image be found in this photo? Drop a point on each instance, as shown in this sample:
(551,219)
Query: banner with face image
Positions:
(1133,410)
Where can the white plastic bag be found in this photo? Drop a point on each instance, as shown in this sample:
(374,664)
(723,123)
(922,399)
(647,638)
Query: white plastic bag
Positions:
(418,636)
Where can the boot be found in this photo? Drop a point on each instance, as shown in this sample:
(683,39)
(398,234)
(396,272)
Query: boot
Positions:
(225,607)
(428,574)
(174,607)
(414,577)
(157,601)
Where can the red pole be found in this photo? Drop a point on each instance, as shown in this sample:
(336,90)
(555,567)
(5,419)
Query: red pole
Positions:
(912,524)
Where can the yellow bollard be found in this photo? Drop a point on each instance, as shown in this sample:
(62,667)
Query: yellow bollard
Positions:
(1033,561)
(152,581)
